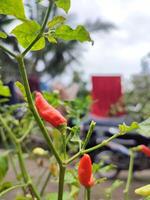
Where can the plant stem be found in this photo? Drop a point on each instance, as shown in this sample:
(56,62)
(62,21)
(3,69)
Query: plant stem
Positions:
(85,193)
(25,175)
(88,193)
(45,184)
(33,109)
(25,134)
(12,188)
(21,163)
(62,170)
(130,173)
(64,145)
(38,181)
(41,31)
(74,157)
(7,51)
(88,136)
(6,145)
(81,152)
(105,142)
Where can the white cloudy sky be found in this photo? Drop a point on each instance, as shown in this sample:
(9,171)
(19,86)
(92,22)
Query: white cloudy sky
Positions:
(120,51)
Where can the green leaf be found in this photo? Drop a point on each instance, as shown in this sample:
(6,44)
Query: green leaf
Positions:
(3,166)
(3,35)
(64,4)
(12,7)
(144,128)
(57,141)
(53,98)
(123,128)
(5,186)
(23,198)
(143,191)
(51,39)
(39,1)
(69,178)
(75,134)
(65,32)
(27,32)
(147,198)
(4,90)
(75,189)
(107,168)
(56,21)
(115,185)
(21,88)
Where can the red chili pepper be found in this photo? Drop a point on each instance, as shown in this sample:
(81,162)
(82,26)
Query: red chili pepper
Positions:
(85,171)
(48,112)
(145,150)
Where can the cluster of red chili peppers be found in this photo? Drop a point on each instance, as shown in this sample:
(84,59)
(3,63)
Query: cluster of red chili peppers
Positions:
(54,117)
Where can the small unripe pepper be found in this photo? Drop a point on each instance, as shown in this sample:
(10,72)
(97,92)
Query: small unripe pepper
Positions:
(48,112)
(85,171)
(53,168)
(145,150)
(143,191)
(38,151)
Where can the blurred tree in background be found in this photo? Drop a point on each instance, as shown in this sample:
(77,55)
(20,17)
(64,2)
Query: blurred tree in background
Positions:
(54,59)
(137,99)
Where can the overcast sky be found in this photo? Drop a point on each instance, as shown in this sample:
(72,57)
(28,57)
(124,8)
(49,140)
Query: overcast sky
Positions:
(120,51)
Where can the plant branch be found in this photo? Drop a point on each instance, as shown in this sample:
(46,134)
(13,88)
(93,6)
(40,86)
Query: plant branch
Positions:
(41,31)
(88,136)
(7,51)
(45,183)
(82,151)
(104,143)
(25,175)
(33,109)
(27,132)
(6,145)
(62,170)
(12,188)
(130,174)
(88,193)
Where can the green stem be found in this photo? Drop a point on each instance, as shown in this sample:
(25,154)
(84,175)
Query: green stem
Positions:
(85,193)
(7,51)
(41,31)
(25,175)
(74,157)
(81,152)
(105,142)
(27,132)
(33,109)
(61,182)
(39,179)
(21,163)
(88,136)
(64,144)
(12,188)
(45,184)
(88,190)
(130,174)
(6,145)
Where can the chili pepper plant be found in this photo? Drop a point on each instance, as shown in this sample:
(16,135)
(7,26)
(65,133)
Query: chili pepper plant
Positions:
(73,169)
